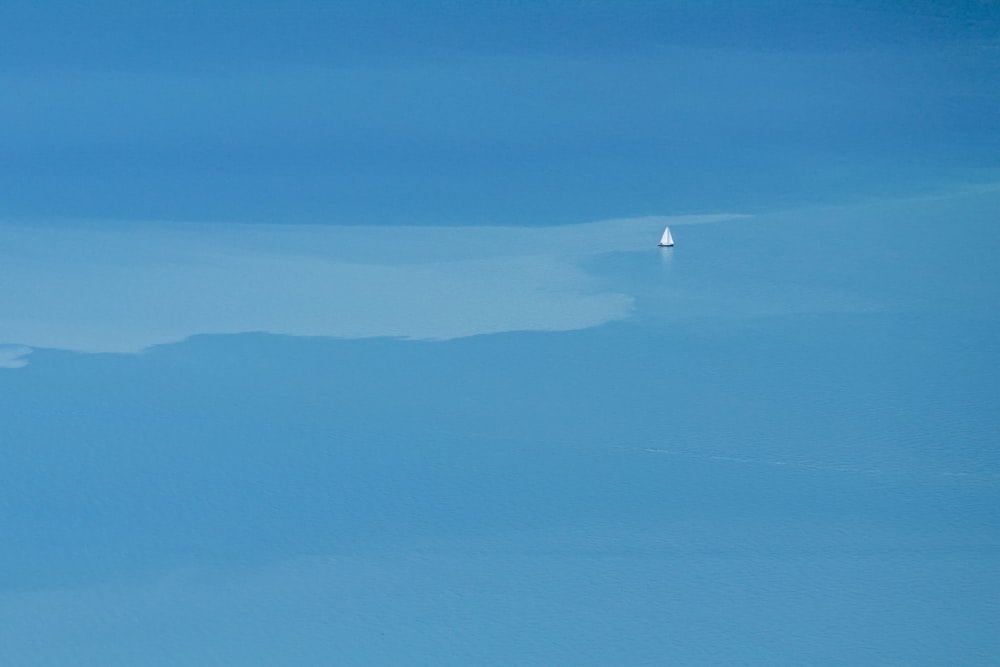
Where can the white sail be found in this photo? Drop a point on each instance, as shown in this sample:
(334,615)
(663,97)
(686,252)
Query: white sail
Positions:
(666,239)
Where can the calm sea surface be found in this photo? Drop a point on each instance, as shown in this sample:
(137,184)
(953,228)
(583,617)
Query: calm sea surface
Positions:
(534,444)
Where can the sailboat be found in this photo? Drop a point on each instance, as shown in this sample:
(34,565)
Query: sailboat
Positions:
(666,240)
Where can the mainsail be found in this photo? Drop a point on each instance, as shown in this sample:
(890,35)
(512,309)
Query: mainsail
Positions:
(666,240)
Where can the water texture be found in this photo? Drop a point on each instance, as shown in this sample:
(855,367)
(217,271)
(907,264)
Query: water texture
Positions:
(337,333)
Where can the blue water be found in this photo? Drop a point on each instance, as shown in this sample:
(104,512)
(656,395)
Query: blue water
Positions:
(277,388)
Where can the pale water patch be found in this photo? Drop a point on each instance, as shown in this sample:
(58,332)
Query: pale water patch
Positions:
(13,356)
(109,288)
